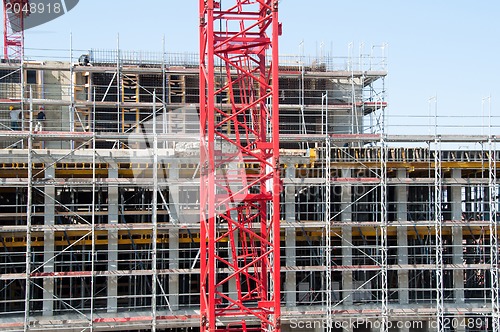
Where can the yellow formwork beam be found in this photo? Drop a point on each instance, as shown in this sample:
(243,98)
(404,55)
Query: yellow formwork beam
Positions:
(125,237)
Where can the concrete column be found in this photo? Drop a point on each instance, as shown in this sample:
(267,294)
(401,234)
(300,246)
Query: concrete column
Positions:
(113,201)
(346,197)
(173,279)
(173,237)
(49,247)
(290,240)
(347,283)
(457,237)
(348,327)
(232,282)
(403,275)
(402,215)
(174,203)
(402,197)
(319,328)
(290,195)
(346,215)
(404,329)
(461,323)
(458,259)
(456,196)
(291,277)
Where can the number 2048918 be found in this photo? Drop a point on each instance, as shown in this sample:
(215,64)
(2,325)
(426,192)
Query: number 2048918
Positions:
(33,8)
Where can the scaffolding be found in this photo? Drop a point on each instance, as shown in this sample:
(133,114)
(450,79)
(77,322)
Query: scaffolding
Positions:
(100,209)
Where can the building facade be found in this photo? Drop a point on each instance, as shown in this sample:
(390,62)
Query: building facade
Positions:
(100,205)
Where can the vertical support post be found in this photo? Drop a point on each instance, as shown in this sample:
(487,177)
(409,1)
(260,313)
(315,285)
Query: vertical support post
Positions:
(232,252)
(93,236)
(154,221)
(48,242)
(402,197)
(328,243)
(402,236)
(347,252)
(328,223)
(291,276)
(118,94)
(346,197)
(384,327)
(207,192)
(457,237)
(290,240)
(113,215)
(164,90)
(173,279)
(438,220)
(493,202)
(29,213)
(347,280)
(173,235)
(72,82)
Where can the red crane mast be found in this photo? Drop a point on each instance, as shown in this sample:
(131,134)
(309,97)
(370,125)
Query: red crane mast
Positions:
(14,12)
(240,218)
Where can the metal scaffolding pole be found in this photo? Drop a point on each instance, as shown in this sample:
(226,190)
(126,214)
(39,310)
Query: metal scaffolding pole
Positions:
(71,107)
(493,205)
(328,231)
(438,220)
(302,95)
(118,95)
(164,90)
(93,234)
(384,327)
(154,220)
(29,213)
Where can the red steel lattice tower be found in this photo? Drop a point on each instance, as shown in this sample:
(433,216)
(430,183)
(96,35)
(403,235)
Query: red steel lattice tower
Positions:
(14,12)
(239,219)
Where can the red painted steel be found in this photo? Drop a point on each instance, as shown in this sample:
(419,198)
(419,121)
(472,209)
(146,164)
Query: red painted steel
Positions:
(14,12)
(240,267)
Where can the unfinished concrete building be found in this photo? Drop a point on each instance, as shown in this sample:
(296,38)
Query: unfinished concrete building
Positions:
(100,206)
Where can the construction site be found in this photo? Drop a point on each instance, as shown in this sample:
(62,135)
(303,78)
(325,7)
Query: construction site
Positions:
(103,199)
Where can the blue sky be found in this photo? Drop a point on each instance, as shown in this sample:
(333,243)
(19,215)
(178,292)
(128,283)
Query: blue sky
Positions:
(444,48)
